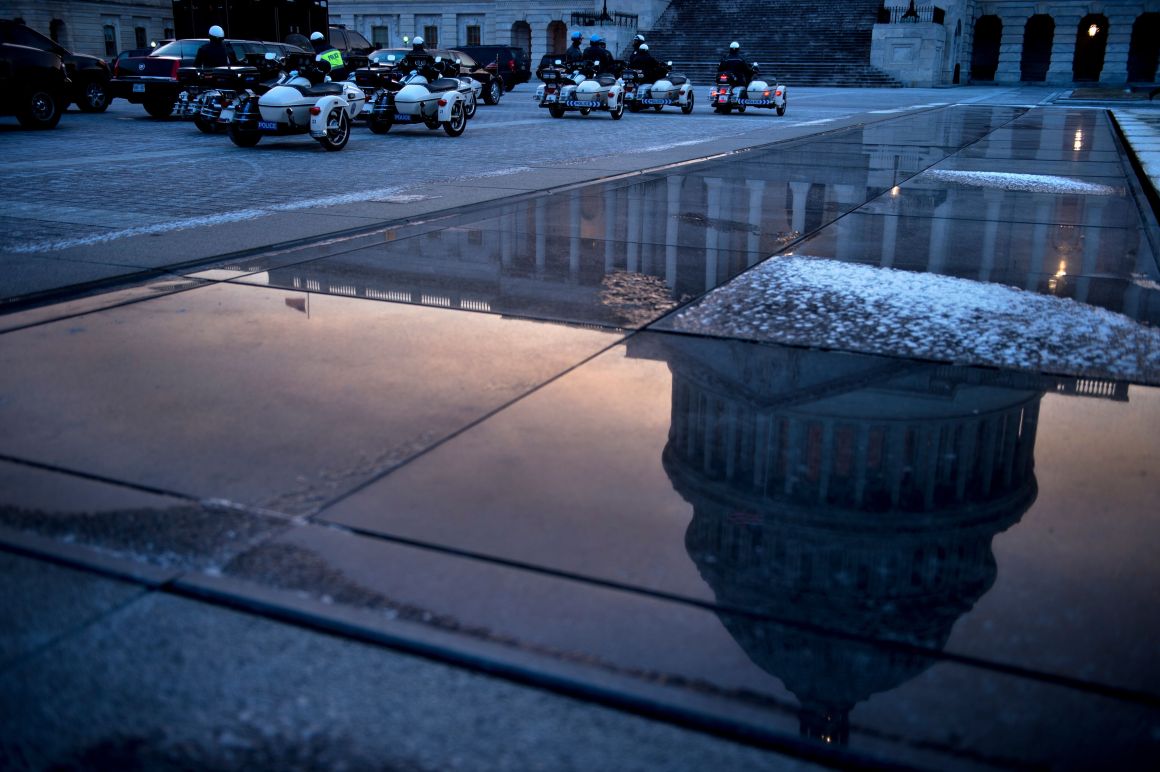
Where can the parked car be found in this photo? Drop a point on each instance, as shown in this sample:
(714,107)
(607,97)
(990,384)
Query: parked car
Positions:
(493,87)
(33,85)
(88,75)
(509,62)
(354,47)
(151,80)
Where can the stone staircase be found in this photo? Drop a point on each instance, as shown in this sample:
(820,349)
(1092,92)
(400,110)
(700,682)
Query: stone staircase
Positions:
(800,43)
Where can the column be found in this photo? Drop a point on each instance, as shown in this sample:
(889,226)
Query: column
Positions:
(672,210)
(713,209)
(1036,268)
(575,221)
(1120,23)
(756,200)
(610,199)
(541,234)
(994,199)
(800,192)
(939,230)
(635,226)
(1063,48)
(1010,48)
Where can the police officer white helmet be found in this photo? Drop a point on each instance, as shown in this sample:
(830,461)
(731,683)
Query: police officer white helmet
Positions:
(418,41)
(643,46)
(216,32)
(734,46)
(315,36)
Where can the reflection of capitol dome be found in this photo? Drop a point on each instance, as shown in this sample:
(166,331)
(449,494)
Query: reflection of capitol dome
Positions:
(844,501)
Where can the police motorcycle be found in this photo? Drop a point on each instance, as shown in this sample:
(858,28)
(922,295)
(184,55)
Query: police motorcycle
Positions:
(215,105)
(672,90)
(419,96)
(589,87)
(193,83)
(301,102)
(730,93)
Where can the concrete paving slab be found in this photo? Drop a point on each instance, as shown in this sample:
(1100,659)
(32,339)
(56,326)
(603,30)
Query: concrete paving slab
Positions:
(178,683)
(42,603)
(287,366)
(100,299)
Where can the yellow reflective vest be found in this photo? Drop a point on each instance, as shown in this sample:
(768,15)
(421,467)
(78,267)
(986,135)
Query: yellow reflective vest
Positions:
(333,57)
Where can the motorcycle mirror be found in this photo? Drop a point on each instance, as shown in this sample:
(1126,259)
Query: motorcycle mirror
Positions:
(557,62)
(438,59)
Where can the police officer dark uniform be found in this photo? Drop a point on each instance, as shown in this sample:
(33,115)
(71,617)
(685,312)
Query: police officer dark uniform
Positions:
(420,60)
(575,54)
(734,62)
(214,53)
(651,69)
(595,52)
(637,42)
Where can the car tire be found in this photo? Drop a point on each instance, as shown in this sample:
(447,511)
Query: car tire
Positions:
(494,92)
(42,109)
(159,108)
(94,97)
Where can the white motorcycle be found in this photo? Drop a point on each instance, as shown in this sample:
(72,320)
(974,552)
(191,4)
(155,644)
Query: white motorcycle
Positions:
(673,90)
(301,103)
(446,102)
(729,94)
(585,90)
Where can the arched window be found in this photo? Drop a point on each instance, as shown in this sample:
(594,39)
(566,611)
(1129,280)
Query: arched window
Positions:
(985,53)
(522,36)
(557,38)
(1091,40)
(1037,38)
(1142,53)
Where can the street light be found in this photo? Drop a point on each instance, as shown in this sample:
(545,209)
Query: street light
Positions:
(1093,30)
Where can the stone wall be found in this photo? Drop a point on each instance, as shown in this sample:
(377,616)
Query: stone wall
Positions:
(80,24)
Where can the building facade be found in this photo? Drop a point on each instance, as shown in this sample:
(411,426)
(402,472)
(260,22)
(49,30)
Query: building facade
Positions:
(96,27)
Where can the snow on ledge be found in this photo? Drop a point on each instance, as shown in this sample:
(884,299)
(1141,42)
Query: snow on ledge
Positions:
(809,301)
(1030,183)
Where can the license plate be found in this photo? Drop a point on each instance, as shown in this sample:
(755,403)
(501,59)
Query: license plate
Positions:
(655,101)
(138,88)
(582,103)
(404,118)
(267,125)
(754,101)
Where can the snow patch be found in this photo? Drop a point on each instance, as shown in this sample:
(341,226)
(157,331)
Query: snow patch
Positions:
(811,301)
(1032,183)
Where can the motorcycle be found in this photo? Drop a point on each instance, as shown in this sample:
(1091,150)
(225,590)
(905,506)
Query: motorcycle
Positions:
(301,103)
(226,83)
(413,98)
(193,83)
(729,93)
(672,90)
(587,89)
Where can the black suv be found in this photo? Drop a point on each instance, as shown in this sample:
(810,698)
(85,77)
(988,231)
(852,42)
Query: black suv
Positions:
(509,62)
(89,75)
(33,85)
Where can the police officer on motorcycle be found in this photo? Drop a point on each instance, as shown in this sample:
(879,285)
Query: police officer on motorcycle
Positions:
(650,67)
(419,60)
(214,53)
(733,62)
(595,52)
(329,54)
(575,54)
(637,42)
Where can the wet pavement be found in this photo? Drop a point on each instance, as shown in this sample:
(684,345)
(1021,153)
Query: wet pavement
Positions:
(839,450)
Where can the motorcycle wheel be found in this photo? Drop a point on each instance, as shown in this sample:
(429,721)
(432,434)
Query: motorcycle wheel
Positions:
(458,122)
(781,107)
(432,122)
(618,111)
(585,110)
(94,97)
(380,125)
(721,109)
(658,108)
(740,108)
(556,111)
(160,108)
(494,93)
(243,137)
(634,108)
(204,125)
(337,130)
(687,107)
(472,106)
